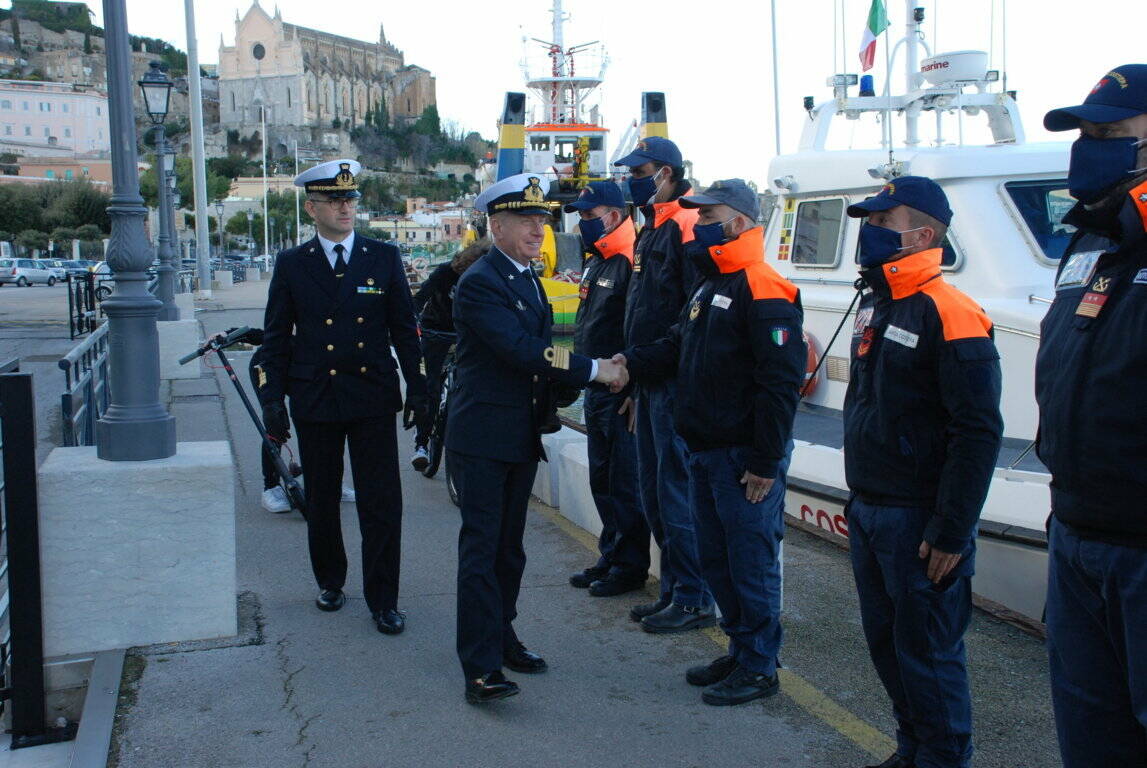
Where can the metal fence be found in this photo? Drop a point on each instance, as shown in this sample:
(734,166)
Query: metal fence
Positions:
(83,304)
(86,392)
(21,612)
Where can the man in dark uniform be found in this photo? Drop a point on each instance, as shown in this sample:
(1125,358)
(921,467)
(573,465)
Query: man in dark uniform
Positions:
(662,281)
(607,236)
(335,306)
(1093,433)
(501,399)
(922,429)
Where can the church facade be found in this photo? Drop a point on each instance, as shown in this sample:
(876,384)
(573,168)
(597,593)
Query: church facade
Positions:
(307,79)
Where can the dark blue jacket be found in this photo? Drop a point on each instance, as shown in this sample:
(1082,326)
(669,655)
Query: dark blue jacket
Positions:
(605,278)
(505,363)
(922,424)
(663,276)
(738,353)
(1091,376)
(326,342)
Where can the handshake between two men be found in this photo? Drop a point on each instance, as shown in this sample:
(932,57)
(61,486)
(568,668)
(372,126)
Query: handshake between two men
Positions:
(612,373)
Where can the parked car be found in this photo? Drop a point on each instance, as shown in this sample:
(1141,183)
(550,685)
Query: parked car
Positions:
(56,267)
(24,272)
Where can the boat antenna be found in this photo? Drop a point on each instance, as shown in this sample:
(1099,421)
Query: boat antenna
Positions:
(776,81)
(1004,44)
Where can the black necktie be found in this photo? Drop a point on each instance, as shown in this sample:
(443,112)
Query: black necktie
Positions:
(340,263)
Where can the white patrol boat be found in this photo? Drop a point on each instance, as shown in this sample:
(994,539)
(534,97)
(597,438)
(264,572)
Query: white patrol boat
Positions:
(1002,249)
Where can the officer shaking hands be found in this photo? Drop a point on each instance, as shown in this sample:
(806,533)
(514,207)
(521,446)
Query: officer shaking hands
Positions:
(1093,433)
(922,430)
(335,306)
(501,401)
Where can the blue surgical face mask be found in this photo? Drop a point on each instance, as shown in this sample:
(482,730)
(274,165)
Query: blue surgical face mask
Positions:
(1099,164)
(642,190)
(877,244)
(591,230)
(708,235)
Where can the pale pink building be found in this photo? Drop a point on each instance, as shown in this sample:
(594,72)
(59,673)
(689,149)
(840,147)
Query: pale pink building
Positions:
(37,115)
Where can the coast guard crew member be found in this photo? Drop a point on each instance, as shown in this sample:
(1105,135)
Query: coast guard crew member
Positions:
(1090,373)
(335,306)
(739,357)
(662,281)
(922,430)
(607,234)
(506,364)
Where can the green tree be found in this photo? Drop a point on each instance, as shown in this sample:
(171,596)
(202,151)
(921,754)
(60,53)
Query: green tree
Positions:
(32,239)
(88,233)
(16,41)
(428,123)
(218,187)
(88,42)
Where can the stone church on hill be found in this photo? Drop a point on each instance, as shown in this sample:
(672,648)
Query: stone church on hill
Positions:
(312,81)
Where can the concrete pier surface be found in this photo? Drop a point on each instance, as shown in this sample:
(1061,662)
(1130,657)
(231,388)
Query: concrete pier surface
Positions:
(301,687)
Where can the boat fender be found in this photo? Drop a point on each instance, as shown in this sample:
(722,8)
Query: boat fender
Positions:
(811,371)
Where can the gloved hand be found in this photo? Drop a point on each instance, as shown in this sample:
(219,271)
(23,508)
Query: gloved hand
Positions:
(253,336)
(276,421)
(416,411)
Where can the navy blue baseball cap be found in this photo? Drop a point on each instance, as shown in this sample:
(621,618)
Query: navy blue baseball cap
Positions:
(1120,94)
(655,149)
(597,193)
(734,193)
(917,192)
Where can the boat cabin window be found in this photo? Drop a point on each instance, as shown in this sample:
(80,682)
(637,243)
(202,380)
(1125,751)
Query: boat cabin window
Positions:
(564,151)
(539,143)
(816,232)
(595,144)
(1043,204)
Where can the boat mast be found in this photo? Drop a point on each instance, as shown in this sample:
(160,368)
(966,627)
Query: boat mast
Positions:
(913,20)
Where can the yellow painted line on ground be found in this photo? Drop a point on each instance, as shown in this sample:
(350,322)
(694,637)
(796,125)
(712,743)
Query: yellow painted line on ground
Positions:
(806,695)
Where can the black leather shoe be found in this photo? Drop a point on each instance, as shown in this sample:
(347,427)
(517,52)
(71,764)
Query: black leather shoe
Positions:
(896,761)
(742,685)
(330,600)
(614,584)
(712,673)
(679,618)
(639,612)
(389,621)
(519,659)
(582,579)
(490,687)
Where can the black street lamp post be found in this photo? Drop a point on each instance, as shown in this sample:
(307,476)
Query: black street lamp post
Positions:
(136,426)
(156,86)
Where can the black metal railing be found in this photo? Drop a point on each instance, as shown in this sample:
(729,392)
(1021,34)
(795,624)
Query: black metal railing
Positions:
(21,611)
(86,393)
(83,305)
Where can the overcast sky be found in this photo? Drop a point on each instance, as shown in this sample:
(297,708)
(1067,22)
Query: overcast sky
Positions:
(712,59)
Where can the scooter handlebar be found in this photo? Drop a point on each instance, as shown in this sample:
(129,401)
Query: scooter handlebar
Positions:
(216,342)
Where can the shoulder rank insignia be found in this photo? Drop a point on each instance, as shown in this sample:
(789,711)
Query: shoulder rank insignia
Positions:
(558,357)
(262,376)
(1094,298)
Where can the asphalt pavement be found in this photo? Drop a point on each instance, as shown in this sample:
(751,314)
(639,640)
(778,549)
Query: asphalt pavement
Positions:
(302,687)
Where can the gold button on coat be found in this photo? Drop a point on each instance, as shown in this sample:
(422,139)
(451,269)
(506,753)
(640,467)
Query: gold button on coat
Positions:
(333,371)
(359,319)
(362,370)
(361,345)
(330,347)
(330,322)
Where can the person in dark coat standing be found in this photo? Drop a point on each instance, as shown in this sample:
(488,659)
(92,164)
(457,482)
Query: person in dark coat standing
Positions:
(506,365)
(335,306)
(607,235)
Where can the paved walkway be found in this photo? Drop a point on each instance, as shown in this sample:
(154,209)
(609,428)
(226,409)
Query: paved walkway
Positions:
(299,687)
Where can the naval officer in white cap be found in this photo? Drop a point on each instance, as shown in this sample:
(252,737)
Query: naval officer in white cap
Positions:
(506,365)
(336,305)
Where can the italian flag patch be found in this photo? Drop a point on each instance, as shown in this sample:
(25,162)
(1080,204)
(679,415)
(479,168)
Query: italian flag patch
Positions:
(780,335)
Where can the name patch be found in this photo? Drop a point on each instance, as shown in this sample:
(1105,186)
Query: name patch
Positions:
(604,282)
(1078,270)
(1141,277)
(901,336)
(724,302)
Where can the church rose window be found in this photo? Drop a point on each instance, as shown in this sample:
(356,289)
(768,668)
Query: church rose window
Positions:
(258,51)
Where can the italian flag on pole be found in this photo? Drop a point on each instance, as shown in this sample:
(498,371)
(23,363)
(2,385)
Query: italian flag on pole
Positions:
(877,23)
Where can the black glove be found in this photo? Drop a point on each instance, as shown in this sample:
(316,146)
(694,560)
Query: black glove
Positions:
(416,412)
(276,421)
(253,336)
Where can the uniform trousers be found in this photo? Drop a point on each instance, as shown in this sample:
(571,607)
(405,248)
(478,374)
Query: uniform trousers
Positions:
(740,547)
(612,455)
(494,496)
(664,484)
(373,447)
(1097,646)
(915,631)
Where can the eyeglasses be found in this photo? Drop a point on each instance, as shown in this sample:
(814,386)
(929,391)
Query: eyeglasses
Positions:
(338,202)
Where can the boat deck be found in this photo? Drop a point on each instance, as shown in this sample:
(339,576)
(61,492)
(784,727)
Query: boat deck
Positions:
(308,688)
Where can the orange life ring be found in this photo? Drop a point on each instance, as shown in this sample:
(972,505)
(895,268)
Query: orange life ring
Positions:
(808,388)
